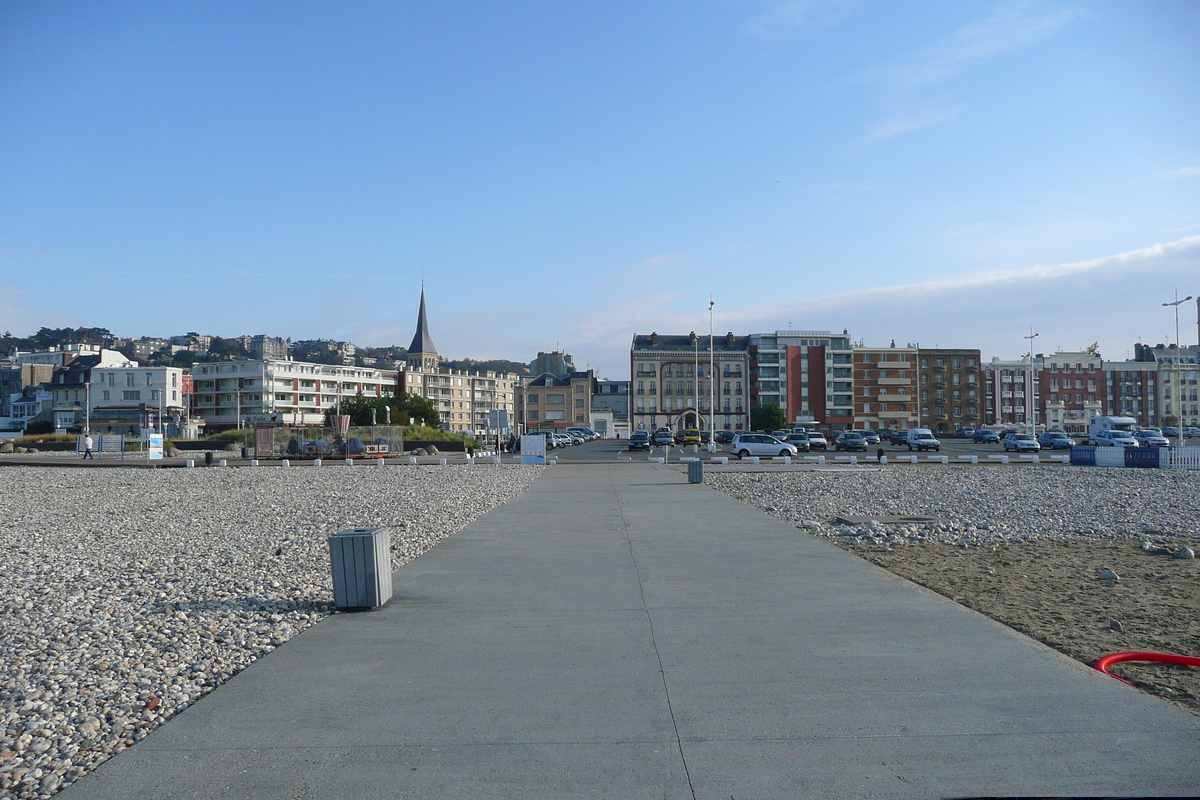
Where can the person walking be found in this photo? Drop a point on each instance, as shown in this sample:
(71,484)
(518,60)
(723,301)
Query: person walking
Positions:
(87,447)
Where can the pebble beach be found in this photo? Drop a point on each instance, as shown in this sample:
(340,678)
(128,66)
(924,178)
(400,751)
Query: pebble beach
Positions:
(128,594)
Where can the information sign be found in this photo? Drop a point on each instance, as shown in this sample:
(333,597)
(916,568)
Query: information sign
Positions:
(154,446)
(533,449)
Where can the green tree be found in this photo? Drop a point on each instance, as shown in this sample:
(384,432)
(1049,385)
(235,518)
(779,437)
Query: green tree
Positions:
(404,407)
(767,418)
(1170,421)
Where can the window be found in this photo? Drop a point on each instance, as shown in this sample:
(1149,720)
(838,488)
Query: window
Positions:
(129,379)
(149,378)
(556,398)
(154,394)
(533,415)
(131,395)
(104,395)
(579,403)
(578,388)
(556,415)
(532,400)
(667,384)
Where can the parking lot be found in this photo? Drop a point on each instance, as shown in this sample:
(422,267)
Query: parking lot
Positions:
(608,449)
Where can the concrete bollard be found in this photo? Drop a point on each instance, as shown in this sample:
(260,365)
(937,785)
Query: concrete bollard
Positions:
(285,463)
(349,462)
(751,459)
(379,462)
(316,462)
(412,459)
(441,462)
(781,459)
(718,460)
(223,463)
(470,461)
(254,463)
(656,459)
(191,463)
(969,459)
(883,459)
(496,460)
(820,460)
(695,448)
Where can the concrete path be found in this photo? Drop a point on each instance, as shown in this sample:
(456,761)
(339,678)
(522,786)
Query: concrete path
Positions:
(618,633)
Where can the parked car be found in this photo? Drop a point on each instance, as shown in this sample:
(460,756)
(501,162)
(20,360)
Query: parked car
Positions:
(1151,437)
(587,433)
(1191,433)
(985,437)
(850,440)
(691,436)
(760,444)
(563,440)
(663,437)
(870,437)
(705,437)
(798,440)
(1170,431)
(1055,440)
(1021,441)
(899,437)
(1115,438)
(639,440)
(922,439)
(816,441)
(724,437)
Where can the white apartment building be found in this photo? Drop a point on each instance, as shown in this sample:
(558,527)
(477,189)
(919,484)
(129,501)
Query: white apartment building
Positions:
(231,394)
(120,395)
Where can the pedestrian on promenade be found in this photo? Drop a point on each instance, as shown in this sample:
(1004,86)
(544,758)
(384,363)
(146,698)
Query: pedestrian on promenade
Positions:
(87,447)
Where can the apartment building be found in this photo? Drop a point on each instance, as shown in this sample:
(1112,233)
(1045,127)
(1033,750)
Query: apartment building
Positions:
(671,383)
(232,394)
(885,388)
(1178,371)
(950,389)
(610,408)
(1129,389)
(550,401)
(808,374)
(1071,387)
(1006,385)
(128,398)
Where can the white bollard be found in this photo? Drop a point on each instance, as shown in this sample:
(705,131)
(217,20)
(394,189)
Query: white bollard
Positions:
(655,459)
(1031,459)
(688,458)
(624,458)
(191,463)
(969,459)
(316,462)
(853,459)
(751,459)
(496,460)
(441,462)
(223,463)
(718,460)
(883,459)
(1001,459)
(470,461)
(412,459)
(285,463)
(1061,459)
(695,448)
(820,460)
(254,462)
(911,459)
(379,462)
(782,459)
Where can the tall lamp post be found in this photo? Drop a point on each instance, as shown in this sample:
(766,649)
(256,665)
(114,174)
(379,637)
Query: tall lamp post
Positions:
(1178,367)
(712,391)
(1029,404)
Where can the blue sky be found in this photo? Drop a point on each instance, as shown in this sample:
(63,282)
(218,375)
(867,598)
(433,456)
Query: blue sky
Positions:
(563,175)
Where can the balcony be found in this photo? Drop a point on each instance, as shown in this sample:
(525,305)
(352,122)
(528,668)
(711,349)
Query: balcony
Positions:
(893,398)
(894,381)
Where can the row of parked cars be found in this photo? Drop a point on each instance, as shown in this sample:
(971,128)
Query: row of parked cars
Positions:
(567,437)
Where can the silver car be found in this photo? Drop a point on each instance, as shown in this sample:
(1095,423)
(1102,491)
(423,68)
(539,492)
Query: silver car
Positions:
(760,444)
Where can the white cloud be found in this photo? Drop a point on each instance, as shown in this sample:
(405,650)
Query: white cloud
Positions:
(782,19)
(20,317)
(1114,299)
(1182,172)
(914,121)
(1009,28)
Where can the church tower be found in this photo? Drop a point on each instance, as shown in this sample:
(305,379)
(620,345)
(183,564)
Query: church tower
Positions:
(422,355)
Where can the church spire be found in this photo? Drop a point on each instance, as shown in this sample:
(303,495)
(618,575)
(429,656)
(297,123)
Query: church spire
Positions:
(421,353)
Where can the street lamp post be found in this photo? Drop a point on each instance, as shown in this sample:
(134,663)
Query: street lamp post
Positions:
(712,392)
(1029,404)
(1178,367)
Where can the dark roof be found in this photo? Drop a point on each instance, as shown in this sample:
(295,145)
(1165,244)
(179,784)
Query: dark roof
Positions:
(422,342)
(665,343)
(548,379)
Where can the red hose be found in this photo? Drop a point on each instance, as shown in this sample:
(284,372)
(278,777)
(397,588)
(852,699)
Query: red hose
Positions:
(1136,655)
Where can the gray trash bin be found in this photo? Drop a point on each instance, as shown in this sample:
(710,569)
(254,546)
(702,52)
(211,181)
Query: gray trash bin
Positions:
(362,567)
(695,472)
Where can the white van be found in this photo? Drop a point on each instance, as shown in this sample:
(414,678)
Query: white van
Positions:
(922,439)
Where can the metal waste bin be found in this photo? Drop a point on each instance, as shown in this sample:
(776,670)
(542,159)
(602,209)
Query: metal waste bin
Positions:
(362,567)
(695,471)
